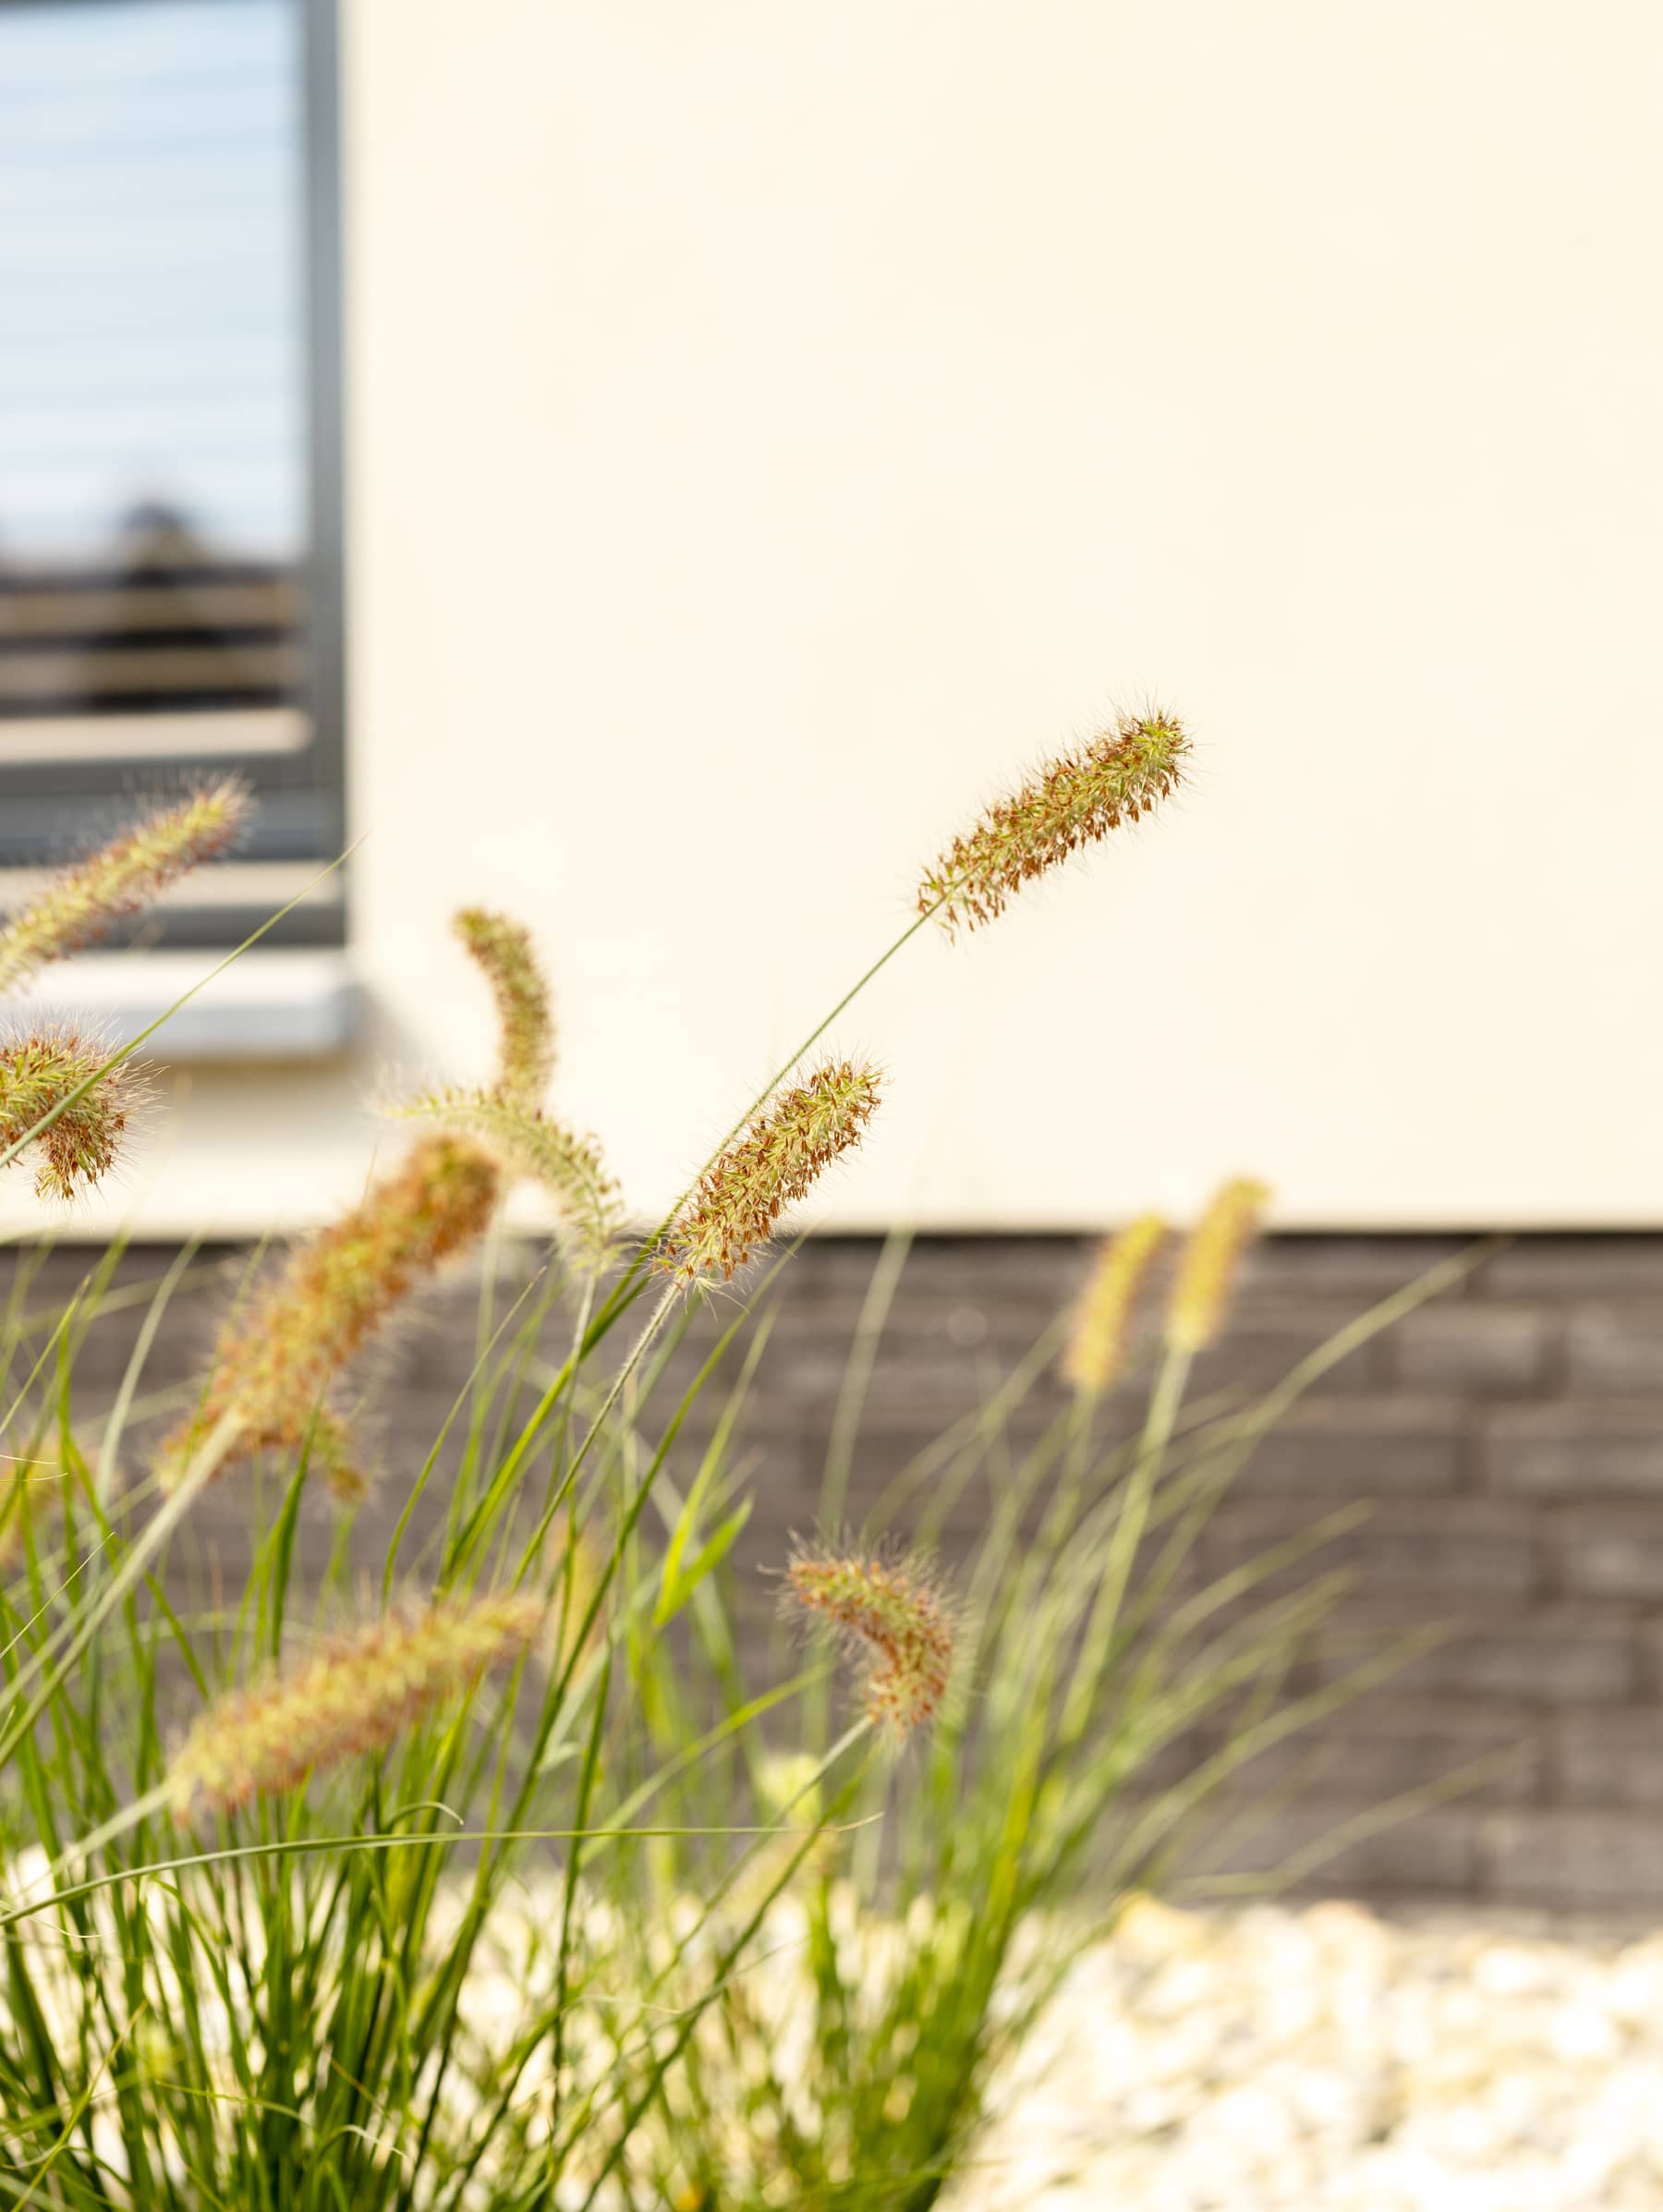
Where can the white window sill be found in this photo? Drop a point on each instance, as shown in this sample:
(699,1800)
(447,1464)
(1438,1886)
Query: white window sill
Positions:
(289,1005)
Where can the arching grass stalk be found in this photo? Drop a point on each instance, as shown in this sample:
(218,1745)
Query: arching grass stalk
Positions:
(1075,800)
(629,1284)
(302,1847)
(650,1244)
(734,1208)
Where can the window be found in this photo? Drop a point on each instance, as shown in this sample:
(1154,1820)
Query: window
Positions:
(169,438)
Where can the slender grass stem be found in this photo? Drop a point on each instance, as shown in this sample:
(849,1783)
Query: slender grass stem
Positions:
(650,1244)
(1165,1402)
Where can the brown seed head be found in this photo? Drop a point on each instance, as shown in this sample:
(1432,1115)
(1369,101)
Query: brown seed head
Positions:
(272,1369)
(891,1615)
(121,878)
(1206,1268)
(39,1070)
(1096,1352)
(526,1053)
(740,1199)
(1075,800)
(354,1697)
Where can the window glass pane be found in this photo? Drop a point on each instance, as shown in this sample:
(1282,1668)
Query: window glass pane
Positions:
(156,358)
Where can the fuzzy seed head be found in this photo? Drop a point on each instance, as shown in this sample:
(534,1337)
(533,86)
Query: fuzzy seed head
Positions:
(1116,776)
(525,1141)
(1206,1268)
(354,1697)
(892,1616)
(41,1068)
(274,1369)
(740,1199)
(1095,1353)
(121,878)
(526,1053)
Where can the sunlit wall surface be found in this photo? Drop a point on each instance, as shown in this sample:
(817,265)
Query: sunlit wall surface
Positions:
(767,429)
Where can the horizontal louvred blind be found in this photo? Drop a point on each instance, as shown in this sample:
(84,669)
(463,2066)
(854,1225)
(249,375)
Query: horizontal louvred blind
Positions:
(164,656)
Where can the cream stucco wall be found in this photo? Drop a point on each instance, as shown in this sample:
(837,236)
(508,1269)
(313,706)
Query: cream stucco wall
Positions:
(772,426)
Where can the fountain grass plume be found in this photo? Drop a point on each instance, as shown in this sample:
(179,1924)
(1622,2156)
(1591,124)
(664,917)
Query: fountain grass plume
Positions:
(1208,1264)
(273,1367)
(891,1614)
(525,1045)
(1095,1353)
(121,878)
(356,1696)
(527,1141)
(42,1068)
(737,1204)
(1074,801)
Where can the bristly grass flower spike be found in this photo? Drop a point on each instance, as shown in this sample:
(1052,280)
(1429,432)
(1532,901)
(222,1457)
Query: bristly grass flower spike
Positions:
(891,1614)
(737,1201)
(122,878)
(524,1141)
(76,1146)
(526,1023)
(506,1116)
(273,1371)
(357,1696)
(1074,801)
(1208,1264)
(1196,1311)
(1094,1356)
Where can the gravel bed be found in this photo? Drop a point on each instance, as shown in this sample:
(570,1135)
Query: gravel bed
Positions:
(1326,2057)
(1321,2058)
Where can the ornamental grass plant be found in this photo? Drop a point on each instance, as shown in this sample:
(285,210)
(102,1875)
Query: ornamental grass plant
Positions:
(481,1859)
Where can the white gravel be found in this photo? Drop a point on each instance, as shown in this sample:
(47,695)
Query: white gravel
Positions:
(1315,2058)
(1324,2058)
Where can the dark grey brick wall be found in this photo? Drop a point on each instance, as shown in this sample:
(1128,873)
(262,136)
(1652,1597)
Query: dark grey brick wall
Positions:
(1510,1439)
